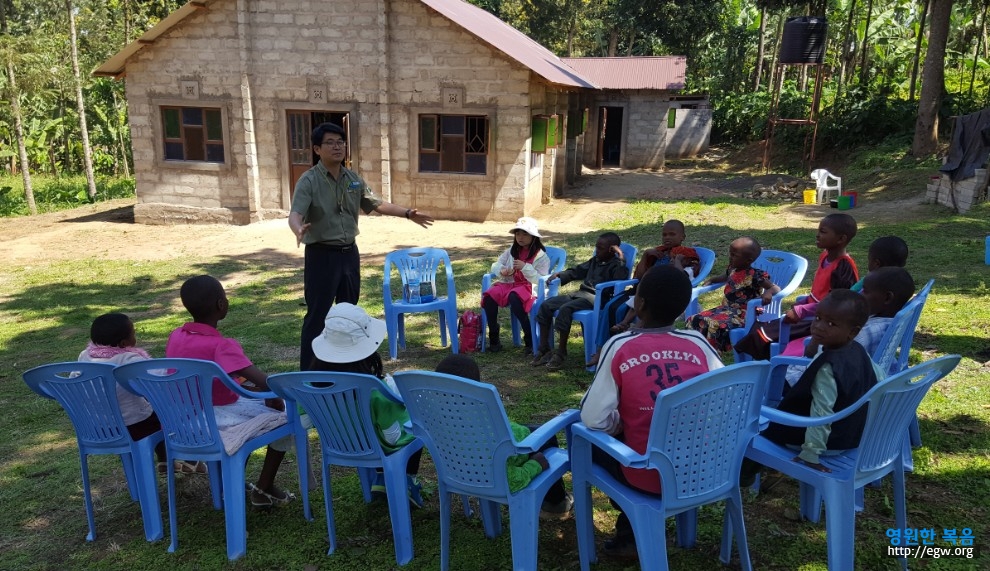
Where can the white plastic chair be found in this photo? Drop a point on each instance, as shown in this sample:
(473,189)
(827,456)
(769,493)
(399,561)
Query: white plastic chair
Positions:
(821,178)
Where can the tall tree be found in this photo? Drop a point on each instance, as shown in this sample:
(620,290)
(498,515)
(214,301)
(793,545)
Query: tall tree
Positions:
(932,81)
(14,96)
(917,49)
(80,104)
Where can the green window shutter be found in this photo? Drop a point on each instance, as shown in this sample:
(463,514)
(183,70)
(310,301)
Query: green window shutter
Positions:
(671,118)
(553,128)
(540,124)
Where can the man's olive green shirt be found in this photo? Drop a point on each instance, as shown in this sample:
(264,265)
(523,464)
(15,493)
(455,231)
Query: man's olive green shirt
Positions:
(332,207)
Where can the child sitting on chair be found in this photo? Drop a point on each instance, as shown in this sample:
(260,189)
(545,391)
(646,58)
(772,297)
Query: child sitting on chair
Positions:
(205,299)
(521,468)
(112,340)
(841,374)
(835,270)
(670,252)
(743,282)
(349,344)
(635,367)
(518,270)
(886,291)
(606,265)
(885,251)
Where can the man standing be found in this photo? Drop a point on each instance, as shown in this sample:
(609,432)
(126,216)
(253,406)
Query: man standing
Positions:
(324,216)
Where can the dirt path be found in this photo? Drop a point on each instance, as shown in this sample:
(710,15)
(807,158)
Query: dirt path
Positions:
(107,229)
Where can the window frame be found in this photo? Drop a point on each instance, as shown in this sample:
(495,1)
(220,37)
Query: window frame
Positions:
(416,139)
(160,139)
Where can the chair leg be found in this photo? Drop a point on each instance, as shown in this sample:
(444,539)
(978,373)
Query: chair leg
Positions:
(367,477)
(216,484)
(328,506)
(915,430)
(392,328)
(840,525)
(87,497)
(442,323)
(649,529)
(235,508)
(173,519)
(900,504)
(303,459)
(398,511)
(444,529)
(452,329)
(584,518)
(147,480)
(127,459)
(734,524)
(491,517)
(524,532)
(687,528)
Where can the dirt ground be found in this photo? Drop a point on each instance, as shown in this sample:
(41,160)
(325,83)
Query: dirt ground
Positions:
(108,229)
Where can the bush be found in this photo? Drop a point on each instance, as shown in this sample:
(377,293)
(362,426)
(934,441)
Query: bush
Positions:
(58,193)
(861,118)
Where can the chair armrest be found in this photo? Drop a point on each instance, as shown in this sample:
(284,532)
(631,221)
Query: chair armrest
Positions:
(615,286)
(242,392)
(560,422)
(486,282)
(789,419)
(610,445)
(703,289)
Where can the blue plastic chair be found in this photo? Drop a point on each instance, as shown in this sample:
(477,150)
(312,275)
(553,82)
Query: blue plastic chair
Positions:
(181,393)
(588,318)
(88,393)
(425,262)
(339,405)
(892,405)
(558,263)
(706,258)
(698,435)
(786,270)
(467,433)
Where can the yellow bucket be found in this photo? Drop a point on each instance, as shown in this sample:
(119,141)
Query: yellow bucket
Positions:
(811,197)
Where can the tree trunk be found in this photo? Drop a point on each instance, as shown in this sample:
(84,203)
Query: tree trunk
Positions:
(121,127)
(917,49)
(775,69)
(15,110)
(976,50)
(846,57)
(932,81)
(613,42)
(81,105)
(761,48)
(864,72)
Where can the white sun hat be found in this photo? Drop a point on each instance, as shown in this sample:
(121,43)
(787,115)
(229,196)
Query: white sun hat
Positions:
(349,335)
(527,225)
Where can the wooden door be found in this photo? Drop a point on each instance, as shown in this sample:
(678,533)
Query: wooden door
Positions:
(300,132)
(600,151)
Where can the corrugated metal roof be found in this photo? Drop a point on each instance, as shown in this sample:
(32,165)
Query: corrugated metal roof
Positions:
(509,41)
(665,72)
(472,19)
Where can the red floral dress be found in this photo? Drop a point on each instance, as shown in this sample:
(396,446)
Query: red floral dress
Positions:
(715,323)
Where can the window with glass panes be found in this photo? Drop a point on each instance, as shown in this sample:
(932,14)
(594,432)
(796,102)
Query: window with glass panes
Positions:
(453,144)
(193,134)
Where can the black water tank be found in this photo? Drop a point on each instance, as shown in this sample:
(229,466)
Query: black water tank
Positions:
(804,40)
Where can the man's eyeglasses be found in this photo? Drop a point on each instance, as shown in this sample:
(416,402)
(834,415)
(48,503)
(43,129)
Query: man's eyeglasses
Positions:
(335,144)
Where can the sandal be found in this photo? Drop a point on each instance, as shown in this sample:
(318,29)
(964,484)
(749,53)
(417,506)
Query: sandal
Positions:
(183,467)
(619,328)
(263,499)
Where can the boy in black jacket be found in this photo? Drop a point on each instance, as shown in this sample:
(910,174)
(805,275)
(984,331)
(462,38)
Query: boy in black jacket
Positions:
(606,265)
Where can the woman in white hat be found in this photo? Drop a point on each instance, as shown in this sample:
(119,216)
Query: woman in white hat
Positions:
(349,344)
(518,270)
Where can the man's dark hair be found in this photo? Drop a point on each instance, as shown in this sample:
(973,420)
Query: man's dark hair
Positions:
(893,279)
(110,329)
(200,296)
(841,223)
(889,251)
(323,128)
(460,366)
(666,292)
(850,304)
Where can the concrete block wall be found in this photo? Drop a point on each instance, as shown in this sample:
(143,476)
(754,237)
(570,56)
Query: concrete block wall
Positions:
(961,195)
(385,61)
(691,133)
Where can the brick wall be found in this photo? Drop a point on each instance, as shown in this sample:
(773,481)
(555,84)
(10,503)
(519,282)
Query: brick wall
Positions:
(961,195)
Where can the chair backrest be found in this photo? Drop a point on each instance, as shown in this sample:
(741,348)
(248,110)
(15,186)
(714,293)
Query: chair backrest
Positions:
(629,254)
(895,345)
(88,393)
(893,405)
(558,258)
(465,428)
(339,405)
(700,431)
(424,262)
(181,393)
(821,176)
(707,259)
(786,269)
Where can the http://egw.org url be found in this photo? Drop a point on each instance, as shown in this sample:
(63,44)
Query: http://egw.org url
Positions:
(930,551)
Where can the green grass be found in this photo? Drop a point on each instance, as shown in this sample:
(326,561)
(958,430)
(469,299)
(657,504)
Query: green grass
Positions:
(52,193)
(45,312)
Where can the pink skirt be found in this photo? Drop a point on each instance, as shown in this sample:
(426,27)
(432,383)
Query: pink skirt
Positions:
(500,293)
